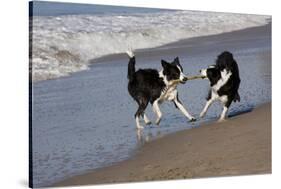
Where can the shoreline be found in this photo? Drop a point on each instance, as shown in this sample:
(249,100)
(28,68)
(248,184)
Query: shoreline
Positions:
(187,44)
(210,150)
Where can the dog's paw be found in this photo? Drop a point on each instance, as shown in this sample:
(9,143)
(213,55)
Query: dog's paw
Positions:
(148,122)
(140,127)
(157,122)
(221,120)
(193,119)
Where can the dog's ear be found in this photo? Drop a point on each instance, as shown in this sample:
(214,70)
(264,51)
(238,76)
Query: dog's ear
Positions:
(164,64)
(177,60)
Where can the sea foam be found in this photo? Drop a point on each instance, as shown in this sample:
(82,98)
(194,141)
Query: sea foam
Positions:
(62,45)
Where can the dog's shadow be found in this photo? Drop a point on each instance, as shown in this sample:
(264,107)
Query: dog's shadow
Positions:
(232,114)
(240,112)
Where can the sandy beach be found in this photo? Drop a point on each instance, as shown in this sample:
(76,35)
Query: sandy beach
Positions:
(85,122)
(238,146)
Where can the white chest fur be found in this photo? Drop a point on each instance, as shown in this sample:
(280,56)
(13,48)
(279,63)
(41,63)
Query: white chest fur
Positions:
(168,94)
(225,75)
(224,78)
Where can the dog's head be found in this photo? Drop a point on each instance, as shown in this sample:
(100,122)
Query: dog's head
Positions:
(212,73)
(225,60)
(173,71)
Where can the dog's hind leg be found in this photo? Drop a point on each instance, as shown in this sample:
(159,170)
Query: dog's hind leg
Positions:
(146,120)
(140,112)
(223,114)
(156,109)
(236,97)
(225,110)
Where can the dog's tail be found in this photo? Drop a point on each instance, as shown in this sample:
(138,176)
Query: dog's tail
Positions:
(236,97)
(131,64)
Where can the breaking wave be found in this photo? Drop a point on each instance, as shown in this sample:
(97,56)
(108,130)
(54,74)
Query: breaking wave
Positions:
(64,44)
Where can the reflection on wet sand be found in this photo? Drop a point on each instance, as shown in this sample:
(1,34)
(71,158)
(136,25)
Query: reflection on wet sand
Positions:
(145,136)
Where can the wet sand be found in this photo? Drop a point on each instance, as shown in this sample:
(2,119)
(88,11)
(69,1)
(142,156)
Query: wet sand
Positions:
(74,137)
(239,146)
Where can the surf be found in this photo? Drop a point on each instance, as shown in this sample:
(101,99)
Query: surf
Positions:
(65,44)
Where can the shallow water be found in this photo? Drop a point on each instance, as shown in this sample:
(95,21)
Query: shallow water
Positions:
(86,121)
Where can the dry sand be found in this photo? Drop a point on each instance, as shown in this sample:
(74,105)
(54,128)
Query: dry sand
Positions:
(239,146)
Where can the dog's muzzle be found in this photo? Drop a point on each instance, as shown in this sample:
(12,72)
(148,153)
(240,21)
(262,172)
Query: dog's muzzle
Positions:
(203,73)
(183,80)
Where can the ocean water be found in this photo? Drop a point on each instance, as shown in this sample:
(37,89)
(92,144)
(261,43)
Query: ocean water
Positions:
(86,121)
(45,8)
(65,37)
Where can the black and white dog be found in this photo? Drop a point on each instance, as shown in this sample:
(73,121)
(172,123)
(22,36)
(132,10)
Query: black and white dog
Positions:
(150,86)
(224,81)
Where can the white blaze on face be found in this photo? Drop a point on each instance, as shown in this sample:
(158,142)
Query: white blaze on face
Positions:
(182,75)
(203,72)
(161,75)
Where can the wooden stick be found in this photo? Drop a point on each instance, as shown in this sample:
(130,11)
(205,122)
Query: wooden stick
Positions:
(196,77)
(189,78)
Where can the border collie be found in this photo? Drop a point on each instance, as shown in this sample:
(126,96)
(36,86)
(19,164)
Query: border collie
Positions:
(150,86)
(224,82)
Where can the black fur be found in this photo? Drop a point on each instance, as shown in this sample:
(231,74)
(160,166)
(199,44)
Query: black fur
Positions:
(225,61)
(145,85)
(224,82)
(171,70)
(131,68)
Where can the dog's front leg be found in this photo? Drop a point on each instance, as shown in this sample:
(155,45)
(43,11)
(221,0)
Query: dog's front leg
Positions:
(204,111)
(156,109)
(182,109)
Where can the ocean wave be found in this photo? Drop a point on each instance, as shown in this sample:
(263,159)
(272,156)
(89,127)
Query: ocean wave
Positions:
(62,45)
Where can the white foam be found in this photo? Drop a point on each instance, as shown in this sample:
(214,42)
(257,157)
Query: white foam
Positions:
(65,44)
